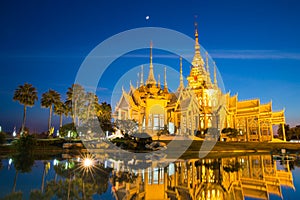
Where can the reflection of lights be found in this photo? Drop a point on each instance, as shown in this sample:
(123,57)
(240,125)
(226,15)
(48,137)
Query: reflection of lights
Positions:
(87,162)
(78,159)
(55,162)
(10,161)
(66,165)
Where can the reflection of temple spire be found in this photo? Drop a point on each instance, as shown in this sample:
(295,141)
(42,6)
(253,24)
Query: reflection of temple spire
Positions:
(181,85)
(158,81)
(151,80)
(142,76)
(165,81)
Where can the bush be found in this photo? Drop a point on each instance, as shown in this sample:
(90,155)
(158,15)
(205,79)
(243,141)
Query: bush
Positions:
(2,137)
(25,143)
(63,131)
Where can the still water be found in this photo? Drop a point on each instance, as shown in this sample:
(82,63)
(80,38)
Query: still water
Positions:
(254,176)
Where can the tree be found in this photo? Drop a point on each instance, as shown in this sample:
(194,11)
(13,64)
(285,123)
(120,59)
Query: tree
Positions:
(104,116)
(27,95)
(74,102)
(49,99)
(60,109)
(280,132)
(230,132)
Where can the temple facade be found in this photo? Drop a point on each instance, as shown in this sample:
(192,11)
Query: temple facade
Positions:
(199,106)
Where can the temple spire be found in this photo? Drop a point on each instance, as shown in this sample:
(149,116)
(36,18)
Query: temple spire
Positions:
(207,65)
(181,85)
(215,75)
(142,76)
(207,69)
(151,80)
(165,81)
(198,60)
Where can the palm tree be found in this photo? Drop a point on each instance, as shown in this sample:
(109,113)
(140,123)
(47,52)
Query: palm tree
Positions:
(27,95)
(49,99)
(60,109)
(75,96)
(91,104)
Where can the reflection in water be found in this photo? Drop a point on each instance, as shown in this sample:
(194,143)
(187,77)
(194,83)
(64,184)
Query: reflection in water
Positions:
(255,176)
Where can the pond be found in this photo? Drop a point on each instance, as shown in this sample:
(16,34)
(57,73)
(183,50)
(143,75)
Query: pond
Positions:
(247,176)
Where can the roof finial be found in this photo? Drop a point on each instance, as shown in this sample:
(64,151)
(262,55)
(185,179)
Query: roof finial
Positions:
(181,85)
(165,81)
(151,45)
(151,80)
(196,29)
(142,76)
(197,60)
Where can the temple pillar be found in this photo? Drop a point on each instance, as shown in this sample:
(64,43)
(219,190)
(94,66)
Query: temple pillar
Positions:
(166,182)
(271,131)
(247,130)
(259,131)
(283,132)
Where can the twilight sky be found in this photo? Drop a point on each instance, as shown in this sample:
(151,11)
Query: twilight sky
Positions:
(255,44)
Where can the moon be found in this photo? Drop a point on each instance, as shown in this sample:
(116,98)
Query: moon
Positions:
(147,17)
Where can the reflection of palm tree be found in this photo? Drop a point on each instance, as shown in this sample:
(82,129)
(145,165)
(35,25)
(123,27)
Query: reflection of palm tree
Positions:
(46,168)
(49,99)
(27,95)
(23,162)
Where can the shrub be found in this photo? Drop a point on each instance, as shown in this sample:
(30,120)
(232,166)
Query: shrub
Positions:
(2,137)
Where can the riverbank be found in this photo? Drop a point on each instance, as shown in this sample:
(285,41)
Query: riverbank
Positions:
(56,146)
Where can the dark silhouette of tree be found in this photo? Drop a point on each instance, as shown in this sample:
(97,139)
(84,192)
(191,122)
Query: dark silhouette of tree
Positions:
(60,109)
(27,95)
(48,100)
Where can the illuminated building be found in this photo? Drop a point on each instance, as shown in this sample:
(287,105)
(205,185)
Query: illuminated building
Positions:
(196,107)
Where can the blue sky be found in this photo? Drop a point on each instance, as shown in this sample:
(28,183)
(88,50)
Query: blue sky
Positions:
(255,44)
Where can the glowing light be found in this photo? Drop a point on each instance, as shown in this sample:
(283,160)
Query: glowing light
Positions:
(10,161)
(147,17)
(87,162)
(55,162)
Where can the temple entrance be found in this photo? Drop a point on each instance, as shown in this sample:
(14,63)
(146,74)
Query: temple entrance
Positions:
(156,118)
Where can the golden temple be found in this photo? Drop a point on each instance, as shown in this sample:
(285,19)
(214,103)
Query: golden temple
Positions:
(196,107)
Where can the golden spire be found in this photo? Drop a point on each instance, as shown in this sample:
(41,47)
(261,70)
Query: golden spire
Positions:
(207,69)
(197,60)
(181,85)
(142,76)
(215,75)
(165,81)
(151,80)
(207,66)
